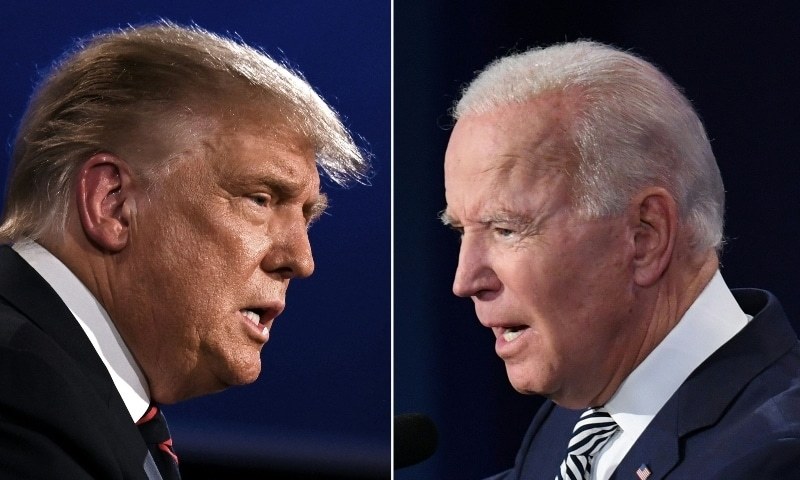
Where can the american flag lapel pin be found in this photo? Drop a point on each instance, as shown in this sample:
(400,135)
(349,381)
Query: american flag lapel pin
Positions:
(643,472)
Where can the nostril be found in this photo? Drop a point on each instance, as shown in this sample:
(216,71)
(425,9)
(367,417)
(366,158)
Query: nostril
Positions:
(284,272)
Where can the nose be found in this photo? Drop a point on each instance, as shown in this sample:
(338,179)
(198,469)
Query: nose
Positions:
(474,273)
(303,260)
(290,254)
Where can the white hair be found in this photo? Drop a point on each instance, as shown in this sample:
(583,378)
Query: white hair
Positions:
(632,128)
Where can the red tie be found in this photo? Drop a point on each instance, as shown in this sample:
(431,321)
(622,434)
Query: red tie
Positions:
(154,431)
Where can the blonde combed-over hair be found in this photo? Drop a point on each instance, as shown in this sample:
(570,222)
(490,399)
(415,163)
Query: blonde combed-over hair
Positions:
(115,83)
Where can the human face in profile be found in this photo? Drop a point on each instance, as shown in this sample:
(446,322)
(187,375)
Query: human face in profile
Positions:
(214,249)
(555,288)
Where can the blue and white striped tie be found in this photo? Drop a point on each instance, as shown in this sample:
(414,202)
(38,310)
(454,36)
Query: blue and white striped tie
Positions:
(592,431)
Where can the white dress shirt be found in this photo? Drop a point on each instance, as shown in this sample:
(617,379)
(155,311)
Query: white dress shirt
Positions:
(712,320)
(95,322)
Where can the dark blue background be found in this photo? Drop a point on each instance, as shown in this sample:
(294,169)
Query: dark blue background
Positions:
(739,62)
(322,405)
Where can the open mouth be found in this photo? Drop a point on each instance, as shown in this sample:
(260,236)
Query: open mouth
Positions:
(254,315)
(510,334)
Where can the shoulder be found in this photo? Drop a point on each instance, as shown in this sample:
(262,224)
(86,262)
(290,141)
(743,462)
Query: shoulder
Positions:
(754,379)
(11,321)
(742,407)
(46,381)
(44,427)
(27,351)
(49,413)
(762,442)
(43,380)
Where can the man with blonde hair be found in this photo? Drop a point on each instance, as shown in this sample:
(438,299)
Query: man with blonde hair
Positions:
(163,182)
(590,208)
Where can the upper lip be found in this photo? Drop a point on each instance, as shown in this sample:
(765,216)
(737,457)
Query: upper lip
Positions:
(267,311)
(499,327)
(502,330)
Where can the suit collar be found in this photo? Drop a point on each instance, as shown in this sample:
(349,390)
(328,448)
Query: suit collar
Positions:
(98,326)
(712,320)
(761,343)
(707,393)
(23,288)
(26,291)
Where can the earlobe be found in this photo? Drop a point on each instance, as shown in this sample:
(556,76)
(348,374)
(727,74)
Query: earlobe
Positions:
(105,200)
(655,236)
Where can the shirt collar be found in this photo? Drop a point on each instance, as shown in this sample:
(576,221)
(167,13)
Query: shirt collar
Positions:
(95,322)
(712,320)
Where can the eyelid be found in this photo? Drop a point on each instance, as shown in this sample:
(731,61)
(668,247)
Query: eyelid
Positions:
(505,232)
(255,197)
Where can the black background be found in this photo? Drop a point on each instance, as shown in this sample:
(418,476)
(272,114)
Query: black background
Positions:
(738,64)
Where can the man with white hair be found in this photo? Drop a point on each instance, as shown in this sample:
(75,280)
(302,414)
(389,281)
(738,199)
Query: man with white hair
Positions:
(590,208)
(164,179)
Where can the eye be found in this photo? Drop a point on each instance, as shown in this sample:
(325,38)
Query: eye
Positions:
(504,232)
(261,200)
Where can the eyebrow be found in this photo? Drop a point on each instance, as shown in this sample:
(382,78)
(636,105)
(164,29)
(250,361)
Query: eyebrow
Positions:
(286,188)
(445,218)
(502,216)
(315,210)
(506,216)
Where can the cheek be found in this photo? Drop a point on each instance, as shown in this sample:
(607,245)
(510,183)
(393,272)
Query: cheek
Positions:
(187,275)
(543,367)
(546,287)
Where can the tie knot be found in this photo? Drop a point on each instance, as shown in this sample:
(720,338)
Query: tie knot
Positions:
(155,433)
(591,433)
(151,413)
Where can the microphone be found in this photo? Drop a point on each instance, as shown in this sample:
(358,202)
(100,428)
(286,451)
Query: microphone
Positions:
(415,439)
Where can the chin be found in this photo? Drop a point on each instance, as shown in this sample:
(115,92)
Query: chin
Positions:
(524,382)
(525,389)
(205,380)
(248,378)
(521,385)
(242,373)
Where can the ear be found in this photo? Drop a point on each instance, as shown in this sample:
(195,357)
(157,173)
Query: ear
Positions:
(106,201)
(655,235)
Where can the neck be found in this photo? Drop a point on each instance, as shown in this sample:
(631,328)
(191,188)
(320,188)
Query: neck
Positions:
(672,297)
(84,259)
(663,305)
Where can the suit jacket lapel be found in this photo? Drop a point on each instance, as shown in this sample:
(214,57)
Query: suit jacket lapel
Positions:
(22,287)
(706,394)
(545,444)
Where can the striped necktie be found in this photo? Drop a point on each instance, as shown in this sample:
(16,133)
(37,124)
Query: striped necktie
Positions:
(154,431)
(593,430)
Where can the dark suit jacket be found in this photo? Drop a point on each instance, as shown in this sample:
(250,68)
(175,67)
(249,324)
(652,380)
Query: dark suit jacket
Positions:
(60,414)
(737,416)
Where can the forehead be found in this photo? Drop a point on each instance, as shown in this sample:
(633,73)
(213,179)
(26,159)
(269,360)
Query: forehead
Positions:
(536,130)
(509,152)
(257,149)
